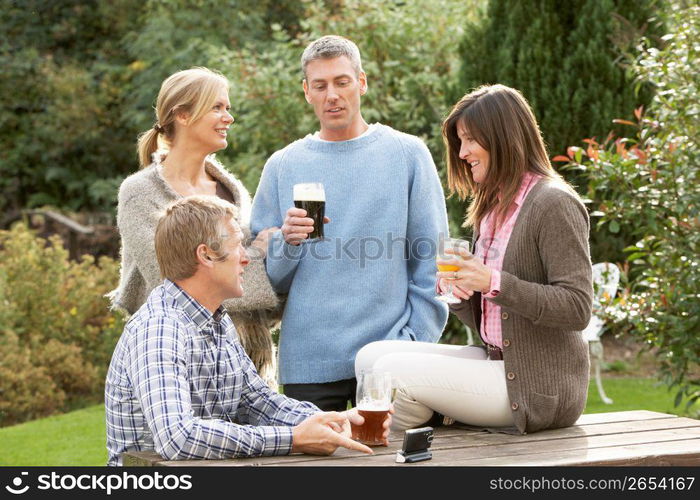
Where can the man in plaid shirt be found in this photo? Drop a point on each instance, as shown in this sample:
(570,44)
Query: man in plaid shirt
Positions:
(180,382)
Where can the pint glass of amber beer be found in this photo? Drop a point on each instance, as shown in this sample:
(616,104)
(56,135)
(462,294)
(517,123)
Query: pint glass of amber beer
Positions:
(373,402)
(312,197)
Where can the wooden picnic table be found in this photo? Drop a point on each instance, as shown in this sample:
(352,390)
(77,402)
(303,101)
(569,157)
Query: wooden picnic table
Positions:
(599,439)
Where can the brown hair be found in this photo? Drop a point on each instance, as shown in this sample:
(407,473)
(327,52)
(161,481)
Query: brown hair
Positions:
(501,121)
(191,91)
(186,224)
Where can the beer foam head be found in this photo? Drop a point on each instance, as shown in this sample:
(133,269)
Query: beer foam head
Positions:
(309,192)
(373,405)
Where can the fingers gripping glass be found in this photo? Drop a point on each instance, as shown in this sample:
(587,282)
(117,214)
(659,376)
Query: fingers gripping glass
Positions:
(454,244)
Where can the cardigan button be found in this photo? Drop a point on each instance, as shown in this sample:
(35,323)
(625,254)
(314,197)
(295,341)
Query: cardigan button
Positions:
(504,316)
(510,376)
(506,342)
(514,406)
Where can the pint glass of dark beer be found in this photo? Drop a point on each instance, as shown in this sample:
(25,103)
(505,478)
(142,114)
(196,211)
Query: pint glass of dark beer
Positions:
(373,402)
(312,198)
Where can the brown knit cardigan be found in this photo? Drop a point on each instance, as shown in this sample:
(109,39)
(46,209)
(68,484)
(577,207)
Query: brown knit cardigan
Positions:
(545,300)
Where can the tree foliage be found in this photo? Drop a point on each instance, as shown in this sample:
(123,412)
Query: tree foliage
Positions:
(650,185)
(566,58)
(61,95)
(80,79)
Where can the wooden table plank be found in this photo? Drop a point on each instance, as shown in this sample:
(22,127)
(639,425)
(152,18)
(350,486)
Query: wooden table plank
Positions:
(581,445)
(671,453)
(640,432)
(619,416)
(511,453)
(141,459)
(454,439)
(451,448)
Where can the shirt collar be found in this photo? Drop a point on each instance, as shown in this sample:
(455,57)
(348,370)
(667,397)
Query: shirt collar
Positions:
(199,314)
(528,180)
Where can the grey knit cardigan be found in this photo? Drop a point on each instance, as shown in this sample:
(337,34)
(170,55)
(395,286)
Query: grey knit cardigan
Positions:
(142,198)
(545,299)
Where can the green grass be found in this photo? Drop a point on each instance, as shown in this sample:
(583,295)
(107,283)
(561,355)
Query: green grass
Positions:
(78,437)
(632,394)
(75,438)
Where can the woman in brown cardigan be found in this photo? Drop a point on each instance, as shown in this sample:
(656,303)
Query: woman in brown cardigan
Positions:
(526,289)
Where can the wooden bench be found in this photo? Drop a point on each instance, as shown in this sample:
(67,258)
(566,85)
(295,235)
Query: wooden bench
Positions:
(617,438)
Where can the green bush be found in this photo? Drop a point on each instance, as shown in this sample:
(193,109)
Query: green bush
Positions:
(649,184)
(56,331)
(27,391)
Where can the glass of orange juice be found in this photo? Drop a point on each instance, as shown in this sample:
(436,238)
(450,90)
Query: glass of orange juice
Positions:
(454,244)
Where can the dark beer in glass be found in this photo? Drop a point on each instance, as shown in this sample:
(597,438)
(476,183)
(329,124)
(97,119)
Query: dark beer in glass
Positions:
(312,198)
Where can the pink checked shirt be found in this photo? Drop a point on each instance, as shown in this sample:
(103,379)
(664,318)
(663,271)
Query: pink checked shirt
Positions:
(491,248)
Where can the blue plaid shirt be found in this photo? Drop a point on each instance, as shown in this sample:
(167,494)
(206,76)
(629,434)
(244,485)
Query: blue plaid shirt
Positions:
(181,383)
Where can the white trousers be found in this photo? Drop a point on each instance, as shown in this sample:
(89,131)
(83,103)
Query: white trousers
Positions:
(457,381)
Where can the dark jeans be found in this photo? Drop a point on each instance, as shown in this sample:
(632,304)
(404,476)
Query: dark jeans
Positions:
(331,396)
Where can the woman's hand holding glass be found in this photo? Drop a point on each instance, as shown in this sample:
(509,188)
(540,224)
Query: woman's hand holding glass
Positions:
(471,273)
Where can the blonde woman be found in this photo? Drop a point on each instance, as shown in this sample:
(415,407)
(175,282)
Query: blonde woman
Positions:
(526,289)
(193,121)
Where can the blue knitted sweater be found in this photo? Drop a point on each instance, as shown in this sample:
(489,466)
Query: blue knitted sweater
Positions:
(373,276)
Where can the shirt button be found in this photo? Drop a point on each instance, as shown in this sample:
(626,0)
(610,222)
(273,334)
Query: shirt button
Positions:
(514,406)
(510,376)
(506,342)
(504,316)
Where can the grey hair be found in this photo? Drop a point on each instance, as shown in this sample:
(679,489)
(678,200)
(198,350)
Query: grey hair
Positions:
(330,47)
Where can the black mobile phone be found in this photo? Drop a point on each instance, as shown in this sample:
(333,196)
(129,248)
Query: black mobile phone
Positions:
(416,444)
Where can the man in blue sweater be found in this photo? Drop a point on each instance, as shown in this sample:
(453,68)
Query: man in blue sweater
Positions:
(372,277)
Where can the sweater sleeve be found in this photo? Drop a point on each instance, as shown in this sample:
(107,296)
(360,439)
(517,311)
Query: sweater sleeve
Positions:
(427,220)
(562,242)
(259,294)
(282,259)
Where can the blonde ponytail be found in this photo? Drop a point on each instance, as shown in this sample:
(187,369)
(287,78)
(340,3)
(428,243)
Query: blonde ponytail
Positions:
(147,145)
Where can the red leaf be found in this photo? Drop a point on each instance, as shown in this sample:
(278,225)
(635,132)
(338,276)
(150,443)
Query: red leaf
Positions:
(624,122)
(620,147)
(591,142)
(561,158)
(639,112)
(640,154)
